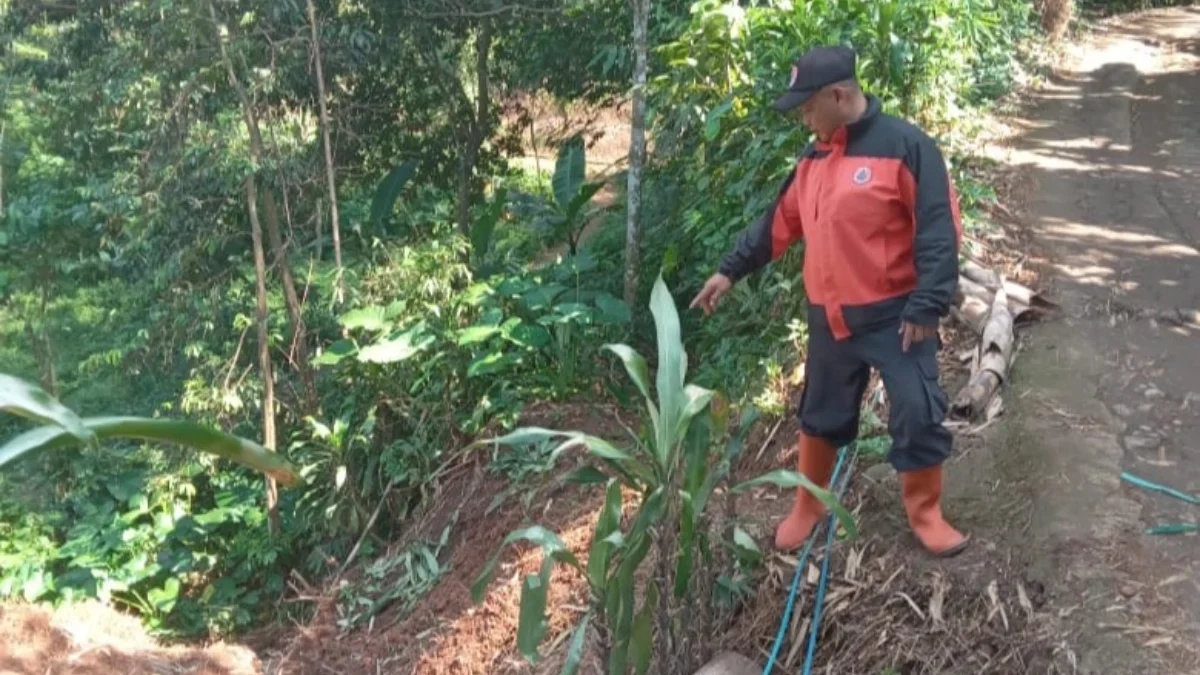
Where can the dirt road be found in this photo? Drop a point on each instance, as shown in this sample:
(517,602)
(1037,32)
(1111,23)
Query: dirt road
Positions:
(1112,150)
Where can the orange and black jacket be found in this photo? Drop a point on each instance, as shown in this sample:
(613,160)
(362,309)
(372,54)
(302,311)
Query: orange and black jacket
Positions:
(879,217)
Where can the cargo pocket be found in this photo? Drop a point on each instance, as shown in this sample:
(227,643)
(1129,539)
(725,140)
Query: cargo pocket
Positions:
(935,396)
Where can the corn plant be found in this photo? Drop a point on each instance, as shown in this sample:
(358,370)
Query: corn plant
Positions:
(672,470)
(63,427)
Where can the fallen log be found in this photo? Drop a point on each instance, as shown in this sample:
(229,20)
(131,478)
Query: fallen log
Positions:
(974,302)
(972,312)
(981,275)
(976,276)
(992,360)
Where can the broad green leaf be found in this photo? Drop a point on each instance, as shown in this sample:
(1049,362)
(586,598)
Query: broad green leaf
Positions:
(569,171)
(32,402)
(743,540)
(712,127)
(527,335)
(641,641)
(474,334)
(531,626)
(389,190)
(234,448)
(335,353)
(485,227)
(398,347)
(791,479)
(551,545)
(575,649)
(581,200)
(635,365)
(367,318)
(542,297)
(493,362)
(613,309)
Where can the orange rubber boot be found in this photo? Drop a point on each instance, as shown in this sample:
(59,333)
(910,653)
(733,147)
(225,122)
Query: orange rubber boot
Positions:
(816,462)
(922,494)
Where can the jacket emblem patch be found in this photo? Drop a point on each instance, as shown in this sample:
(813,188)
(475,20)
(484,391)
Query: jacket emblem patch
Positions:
(862,176)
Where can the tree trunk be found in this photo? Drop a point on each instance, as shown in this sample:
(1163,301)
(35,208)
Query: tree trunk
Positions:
(477,129)
(331,184)
(637,154)
(309,404)
(264,347)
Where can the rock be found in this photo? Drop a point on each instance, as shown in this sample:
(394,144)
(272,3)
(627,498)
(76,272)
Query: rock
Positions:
(1140,442)
(1129,590)
(1154,393)
(1145,407)
(1122,410)
(881,472)
(730,663)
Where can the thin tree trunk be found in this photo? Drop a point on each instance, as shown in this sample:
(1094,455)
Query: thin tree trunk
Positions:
(264,347)
(637,153)
(292,299)
(272,227)
(334,222)
(2,130)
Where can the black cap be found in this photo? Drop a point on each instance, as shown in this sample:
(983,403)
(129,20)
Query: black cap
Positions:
(817,68)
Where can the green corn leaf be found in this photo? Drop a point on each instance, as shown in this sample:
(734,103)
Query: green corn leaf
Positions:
(31,402)
(649,513)
(621,620)
(531,625)
(529,435)
(606,524)
(587,475)
(575,649)
(641,642)
(695,399)
(177,432)
(551,545)
(687,540)
(672,369)
(791,479)
(635,365)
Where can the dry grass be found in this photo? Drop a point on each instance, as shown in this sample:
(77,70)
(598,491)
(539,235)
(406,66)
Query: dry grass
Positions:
(91,639)
(885,614)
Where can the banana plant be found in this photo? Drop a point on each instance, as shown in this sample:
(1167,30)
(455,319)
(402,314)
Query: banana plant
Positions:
(572,192)
(672,469)
(63,428)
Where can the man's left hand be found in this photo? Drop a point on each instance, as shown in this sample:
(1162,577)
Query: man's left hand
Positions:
(912,333)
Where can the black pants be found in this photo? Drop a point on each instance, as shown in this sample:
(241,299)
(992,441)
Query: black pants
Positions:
(835,378)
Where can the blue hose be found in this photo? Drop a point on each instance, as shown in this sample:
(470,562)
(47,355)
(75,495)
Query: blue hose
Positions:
(800,565)
(819,604)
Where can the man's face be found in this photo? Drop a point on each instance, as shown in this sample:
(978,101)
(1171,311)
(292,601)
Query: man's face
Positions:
(822,112)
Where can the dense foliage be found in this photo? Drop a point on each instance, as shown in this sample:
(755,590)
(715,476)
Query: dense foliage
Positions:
(149,151)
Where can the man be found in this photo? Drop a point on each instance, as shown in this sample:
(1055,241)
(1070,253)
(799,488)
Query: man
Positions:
(872,200)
